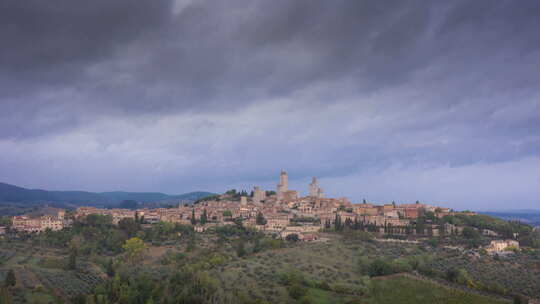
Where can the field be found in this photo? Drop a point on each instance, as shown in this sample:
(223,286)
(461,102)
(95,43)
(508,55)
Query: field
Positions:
(327,271)
(41,275)
(405,290)
(333,264)
(519,273)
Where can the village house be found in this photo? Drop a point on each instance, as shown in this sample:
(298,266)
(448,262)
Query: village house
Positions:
(498,246)
(53,220)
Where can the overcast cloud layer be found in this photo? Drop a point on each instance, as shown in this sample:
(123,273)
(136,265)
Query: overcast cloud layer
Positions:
(385,100)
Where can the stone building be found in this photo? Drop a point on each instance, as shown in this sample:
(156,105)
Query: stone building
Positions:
(498,246)
(314,189)
(258,195)
(53,219)
(283,185)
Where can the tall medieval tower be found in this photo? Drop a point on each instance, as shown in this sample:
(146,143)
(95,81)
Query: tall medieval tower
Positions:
(283,185)
(315,190)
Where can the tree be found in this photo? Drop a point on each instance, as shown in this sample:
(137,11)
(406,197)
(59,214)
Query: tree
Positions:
(191,242)
(10,279)
(293,237)
(134,248)
(129,225)
(257,246)
(420,226)
(337,223)
(433,242)
(110,269)
(193,219)
(260,219)
(227,213)
(452,275)
(72,262)
(379,267)
(327,224)
(240,248)
(296,291)
(470,233)
(98,220)
(79,299)
(204,217)
(239,223)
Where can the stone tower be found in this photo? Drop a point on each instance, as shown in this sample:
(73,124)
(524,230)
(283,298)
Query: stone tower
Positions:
(258,195)
(283,185)
(314,189)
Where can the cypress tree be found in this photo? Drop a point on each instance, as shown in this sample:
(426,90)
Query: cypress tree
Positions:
(204,217)
(72,263)
(193,219)
(240,249)
(10,279)
(110,269)
(260,219)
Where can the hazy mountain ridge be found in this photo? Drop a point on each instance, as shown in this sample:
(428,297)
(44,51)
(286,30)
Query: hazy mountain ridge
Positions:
(14,194)
(531,217)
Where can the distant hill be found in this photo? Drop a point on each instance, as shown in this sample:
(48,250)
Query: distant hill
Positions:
(531,217)
(13,194)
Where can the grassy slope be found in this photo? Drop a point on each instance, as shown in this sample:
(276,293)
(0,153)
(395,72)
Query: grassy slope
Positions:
(257,275)
(334,262)
(405,290)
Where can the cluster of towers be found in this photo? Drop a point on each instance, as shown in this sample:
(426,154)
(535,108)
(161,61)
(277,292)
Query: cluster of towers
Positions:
(284,192)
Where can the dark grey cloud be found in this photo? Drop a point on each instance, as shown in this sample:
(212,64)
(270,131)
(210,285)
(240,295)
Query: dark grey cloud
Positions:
(162,93)
(41,35)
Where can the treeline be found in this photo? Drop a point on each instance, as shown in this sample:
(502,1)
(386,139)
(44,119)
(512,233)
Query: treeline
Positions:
(96,234)
(427,224)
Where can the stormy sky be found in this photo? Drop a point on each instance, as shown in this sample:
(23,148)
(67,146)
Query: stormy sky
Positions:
(437,101)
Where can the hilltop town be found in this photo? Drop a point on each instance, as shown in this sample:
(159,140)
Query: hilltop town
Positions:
(287,247)
(281,213)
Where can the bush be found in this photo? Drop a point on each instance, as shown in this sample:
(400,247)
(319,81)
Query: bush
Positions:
(296,291)
(292,237)
(291,278)
(379,267)
(322,285)
(433,242)
(401,265)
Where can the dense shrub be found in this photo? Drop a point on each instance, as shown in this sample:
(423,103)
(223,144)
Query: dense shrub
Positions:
(296,290)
